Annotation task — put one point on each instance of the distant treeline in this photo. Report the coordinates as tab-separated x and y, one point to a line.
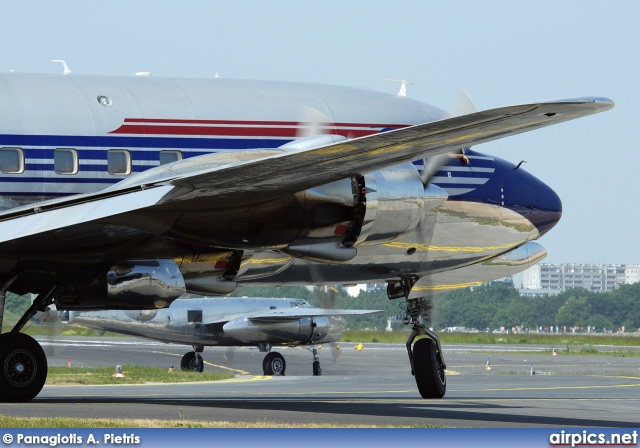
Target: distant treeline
485	307
499	306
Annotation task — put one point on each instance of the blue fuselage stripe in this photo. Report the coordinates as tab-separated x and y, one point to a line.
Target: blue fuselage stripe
71	141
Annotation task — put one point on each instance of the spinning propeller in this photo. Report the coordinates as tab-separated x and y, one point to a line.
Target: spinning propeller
463	105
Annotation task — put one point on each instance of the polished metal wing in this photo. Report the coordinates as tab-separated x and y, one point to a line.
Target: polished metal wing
302	312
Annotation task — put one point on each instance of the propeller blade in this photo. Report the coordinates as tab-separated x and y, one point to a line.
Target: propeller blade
50	326
313	122
431	166
463	104
229	354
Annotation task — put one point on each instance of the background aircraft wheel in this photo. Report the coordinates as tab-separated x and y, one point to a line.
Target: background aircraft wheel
430	376
192	362
317	371
23	367
273	364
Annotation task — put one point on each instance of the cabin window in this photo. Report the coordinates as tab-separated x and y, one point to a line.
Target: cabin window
11	160
119	161
65	161
170	156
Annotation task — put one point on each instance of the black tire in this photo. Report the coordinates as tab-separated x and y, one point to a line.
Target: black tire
23	367
274	364
191	362
317	371
430	376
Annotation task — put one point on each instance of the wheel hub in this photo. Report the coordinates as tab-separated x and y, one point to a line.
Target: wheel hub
20	368
276	365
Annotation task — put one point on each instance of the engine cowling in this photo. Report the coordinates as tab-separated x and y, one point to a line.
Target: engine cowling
298	331
376	208
395	204
128	285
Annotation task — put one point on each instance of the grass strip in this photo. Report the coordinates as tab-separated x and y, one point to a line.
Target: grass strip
132	375
67	422
627	339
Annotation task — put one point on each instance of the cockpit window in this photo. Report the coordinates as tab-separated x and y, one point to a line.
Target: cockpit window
11	160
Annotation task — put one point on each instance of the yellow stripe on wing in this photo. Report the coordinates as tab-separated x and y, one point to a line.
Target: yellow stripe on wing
446	287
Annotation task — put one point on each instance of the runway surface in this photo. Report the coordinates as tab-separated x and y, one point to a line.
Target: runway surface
372	387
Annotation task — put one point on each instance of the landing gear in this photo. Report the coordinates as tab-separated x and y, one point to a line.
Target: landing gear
192	361
317	370
429	370
23	363
23	367
274	364
427	362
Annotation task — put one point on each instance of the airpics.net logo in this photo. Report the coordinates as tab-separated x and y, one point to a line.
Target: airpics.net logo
586	438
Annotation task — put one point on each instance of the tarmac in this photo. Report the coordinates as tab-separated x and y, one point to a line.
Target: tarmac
372	386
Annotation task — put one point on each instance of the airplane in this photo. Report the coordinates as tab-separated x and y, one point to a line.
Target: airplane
124	192
224	322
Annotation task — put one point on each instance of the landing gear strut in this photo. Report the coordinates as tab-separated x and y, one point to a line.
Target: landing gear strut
427	362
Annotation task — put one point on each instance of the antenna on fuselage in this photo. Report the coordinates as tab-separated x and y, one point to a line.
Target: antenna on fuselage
519	165
403	88
66	71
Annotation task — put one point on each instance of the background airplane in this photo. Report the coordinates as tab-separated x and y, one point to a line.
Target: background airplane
212	184
226	322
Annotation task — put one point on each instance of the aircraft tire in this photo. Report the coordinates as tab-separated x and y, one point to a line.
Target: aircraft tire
274	364
23	367
430	376
191	362
317	371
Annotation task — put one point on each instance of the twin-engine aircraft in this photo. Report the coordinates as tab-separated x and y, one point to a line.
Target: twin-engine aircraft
225	322
125	192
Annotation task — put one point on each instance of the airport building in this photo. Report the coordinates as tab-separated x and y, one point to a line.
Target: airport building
593	277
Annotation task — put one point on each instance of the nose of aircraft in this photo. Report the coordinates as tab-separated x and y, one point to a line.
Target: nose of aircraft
547	208
529	196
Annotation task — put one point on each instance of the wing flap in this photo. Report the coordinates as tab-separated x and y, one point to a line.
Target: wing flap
42	221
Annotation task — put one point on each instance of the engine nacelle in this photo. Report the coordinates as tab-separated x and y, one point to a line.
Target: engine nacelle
141	315
128	285
376	208
395	204
298	331
328	329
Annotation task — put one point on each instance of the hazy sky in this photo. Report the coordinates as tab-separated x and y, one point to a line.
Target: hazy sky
501	52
